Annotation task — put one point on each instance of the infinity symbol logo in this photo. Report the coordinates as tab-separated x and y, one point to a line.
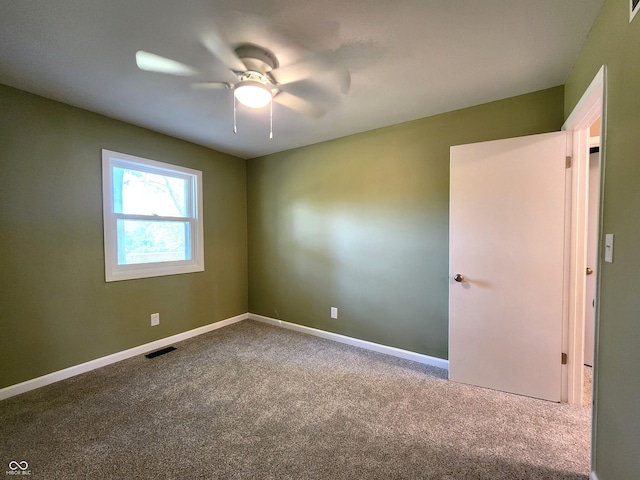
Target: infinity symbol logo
23	465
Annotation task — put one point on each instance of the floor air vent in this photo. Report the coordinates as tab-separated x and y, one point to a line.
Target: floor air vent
162	351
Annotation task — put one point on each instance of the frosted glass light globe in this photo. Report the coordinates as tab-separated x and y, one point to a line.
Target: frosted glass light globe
252	94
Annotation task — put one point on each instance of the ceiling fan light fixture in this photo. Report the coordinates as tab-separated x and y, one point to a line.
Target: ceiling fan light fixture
252	94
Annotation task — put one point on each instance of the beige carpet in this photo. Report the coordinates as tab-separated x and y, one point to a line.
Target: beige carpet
587	386
251	401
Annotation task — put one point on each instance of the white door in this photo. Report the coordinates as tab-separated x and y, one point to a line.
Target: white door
507	227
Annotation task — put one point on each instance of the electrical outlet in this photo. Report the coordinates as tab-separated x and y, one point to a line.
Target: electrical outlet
334	312
155	319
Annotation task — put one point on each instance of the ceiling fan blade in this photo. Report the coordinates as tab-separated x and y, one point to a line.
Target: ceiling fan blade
298	71
212	85
344	80
298	104
310	69
223	52
151	62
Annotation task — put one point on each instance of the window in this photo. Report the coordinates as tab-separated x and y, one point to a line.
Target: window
152	218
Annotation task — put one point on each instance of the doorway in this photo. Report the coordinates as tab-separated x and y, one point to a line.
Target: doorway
586	125
491	344
587	121
579	127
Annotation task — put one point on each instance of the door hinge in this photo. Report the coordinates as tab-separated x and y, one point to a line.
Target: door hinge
564	359
568	162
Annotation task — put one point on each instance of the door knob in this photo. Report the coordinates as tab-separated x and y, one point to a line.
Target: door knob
458	277
589	271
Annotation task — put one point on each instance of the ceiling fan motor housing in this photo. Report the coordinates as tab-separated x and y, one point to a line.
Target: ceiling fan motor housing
252	76
256	59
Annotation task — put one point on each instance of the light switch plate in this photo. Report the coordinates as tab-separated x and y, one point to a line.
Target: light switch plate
608	248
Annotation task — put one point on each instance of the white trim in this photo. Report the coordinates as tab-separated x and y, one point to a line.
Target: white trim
69	372
376	347
589	102
50	378
593	476
589	108
566	286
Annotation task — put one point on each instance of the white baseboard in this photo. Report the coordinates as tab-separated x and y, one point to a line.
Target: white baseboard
50	378
53	377
593	476
376	347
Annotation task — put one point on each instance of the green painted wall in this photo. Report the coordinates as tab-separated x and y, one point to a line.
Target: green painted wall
616	43
361	223
55	308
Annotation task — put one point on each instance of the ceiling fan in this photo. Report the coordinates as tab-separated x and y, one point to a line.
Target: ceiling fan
260	78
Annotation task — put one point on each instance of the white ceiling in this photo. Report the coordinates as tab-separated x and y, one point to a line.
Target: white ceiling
408	59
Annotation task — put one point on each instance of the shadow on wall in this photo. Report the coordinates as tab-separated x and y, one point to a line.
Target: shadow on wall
362	240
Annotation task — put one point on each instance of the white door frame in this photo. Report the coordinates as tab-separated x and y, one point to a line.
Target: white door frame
591	106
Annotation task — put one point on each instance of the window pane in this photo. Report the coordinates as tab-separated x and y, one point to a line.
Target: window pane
143	241
143	193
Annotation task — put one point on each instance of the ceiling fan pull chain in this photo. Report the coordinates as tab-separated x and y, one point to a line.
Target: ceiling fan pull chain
235	128
271	119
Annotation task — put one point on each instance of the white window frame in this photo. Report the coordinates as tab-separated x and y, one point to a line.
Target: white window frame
115	272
